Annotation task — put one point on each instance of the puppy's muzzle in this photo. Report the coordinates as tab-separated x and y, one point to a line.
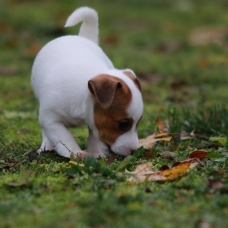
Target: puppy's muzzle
117	154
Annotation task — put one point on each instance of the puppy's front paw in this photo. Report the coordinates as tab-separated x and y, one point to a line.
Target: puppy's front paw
96	155
80	154
83	155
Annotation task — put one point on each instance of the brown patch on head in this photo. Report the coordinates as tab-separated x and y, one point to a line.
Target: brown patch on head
111	97
133	78
104	88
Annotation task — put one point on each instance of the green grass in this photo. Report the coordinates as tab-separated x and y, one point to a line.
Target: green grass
183	83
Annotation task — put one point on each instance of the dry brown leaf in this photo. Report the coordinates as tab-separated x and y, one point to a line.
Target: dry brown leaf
198	154
162	135
180	169
143	172
142	168
185	135
149	141
161	125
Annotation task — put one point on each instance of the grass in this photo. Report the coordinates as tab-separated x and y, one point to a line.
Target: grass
184	83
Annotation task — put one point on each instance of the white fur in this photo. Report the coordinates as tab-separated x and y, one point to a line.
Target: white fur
89	27
60	76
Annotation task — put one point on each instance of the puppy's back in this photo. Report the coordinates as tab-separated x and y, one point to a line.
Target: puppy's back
68	61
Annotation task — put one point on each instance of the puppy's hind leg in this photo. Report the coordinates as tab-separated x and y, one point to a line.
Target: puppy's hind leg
46	145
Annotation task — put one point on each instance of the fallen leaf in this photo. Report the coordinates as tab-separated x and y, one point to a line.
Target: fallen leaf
185	135
142	168
161	136
144	173
198	154
180	169
161	125
141	172
150	141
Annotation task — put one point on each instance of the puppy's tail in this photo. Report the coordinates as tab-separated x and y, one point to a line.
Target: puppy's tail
89	27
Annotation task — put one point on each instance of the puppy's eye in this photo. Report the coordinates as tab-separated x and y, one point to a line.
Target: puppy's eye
124	125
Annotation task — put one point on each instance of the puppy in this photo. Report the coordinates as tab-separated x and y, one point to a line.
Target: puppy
76	83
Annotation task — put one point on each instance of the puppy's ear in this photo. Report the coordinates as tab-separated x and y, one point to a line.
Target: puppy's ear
104	87
133	78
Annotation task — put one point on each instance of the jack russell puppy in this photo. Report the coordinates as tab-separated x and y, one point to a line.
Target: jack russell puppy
76	83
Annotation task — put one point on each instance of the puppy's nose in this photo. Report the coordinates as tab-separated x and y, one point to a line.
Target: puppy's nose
132	152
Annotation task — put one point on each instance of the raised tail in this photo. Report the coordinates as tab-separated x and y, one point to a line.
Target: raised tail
89	27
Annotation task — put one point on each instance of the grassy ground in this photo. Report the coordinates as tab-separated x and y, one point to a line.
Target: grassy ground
179	50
